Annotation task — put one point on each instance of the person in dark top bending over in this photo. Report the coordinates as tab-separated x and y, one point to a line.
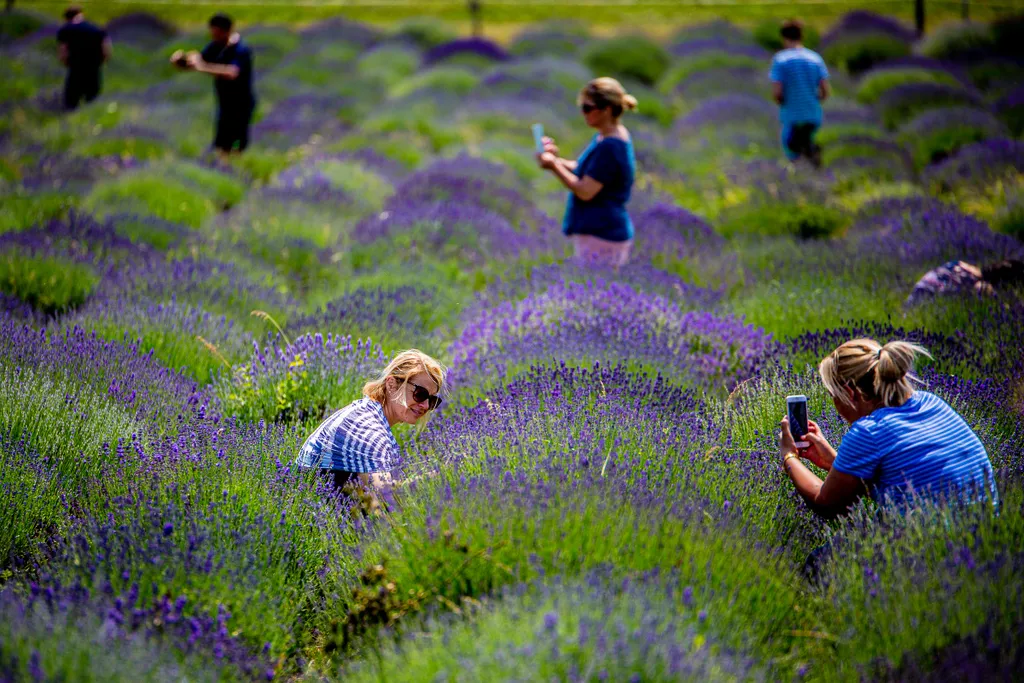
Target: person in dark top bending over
83	47
229	61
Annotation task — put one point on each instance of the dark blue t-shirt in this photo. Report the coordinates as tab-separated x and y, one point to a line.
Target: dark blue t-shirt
85	46
236	93
612	163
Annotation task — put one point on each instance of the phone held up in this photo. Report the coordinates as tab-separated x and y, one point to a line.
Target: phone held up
538	137
796	407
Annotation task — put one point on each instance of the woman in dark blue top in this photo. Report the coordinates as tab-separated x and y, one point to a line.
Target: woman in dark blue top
601	180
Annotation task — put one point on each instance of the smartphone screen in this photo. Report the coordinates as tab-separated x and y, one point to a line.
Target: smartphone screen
798	420
538	137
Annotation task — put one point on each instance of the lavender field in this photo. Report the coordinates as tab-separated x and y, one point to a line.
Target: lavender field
607	502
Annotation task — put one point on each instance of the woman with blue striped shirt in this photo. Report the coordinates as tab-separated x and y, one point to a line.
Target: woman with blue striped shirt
355	445
901	443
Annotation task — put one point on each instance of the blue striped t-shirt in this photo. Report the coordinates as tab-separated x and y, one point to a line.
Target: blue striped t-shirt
923	444
355	439
799	70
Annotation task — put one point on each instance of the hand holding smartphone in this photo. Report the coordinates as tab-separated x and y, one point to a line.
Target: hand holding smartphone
796	409
538	137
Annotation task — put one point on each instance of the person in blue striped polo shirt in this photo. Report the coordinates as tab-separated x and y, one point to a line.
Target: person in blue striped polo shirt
903	444
355	447
799	84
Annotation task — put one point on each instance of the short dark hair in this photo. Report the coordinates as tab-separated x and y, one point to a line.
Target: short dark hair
1008	273
792	30
221	21
72	11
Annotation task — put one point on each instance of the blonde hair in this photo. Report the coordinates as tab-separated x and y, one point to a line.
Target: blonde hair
609	92
879	372
402	367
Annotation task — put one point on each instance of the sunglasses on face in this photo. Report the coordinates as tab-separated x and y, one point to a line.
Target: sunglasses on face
587	107
420	394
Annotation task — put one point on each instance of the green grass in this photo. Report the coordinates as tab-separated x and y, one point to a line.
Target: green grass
656	15
780	220
22	211
179	193
49	285
874	85
66	425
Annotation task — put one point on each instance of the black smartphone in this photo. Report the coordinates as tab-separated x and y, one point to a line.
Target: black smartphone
796	408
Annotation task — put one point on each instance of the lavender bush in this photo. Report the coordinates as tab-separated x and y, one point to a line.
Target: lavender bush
599	497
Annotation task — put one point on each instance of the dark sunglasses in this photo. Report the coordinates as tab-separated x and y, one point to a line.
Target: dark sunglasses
586	107
420	394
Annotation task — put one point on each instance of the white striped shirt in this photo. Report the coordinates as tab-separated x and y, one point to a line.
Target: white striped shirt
356	439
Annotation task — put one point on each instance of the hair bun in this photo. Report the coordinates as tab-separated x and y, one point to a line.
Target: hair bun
629	103
895	362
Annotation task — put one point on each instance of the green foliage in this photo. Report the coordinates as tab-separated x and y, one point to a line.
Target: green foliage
268	559
1013	117
858	53
19	211
64	421
18	23
628	57
179	193
389	65
963	41
225	190
904	109
805	221
989	74
406	147
857	198
831	134
919	561
262	165
72	644
147	193
357	180
1010	219
446	78
298	397
475	547
426	32
705	61
790	308
49	285
875	84
767	35
125	147
939	143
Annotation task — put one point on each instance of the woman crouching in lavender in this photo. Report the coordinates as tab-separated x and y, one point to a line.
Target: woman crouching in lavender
355	447
903	444
600	181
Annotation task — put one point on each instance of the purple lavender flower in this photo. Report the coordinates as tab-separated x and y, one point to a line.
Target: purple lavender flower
860	22
606	320
725	110
976	164
478	47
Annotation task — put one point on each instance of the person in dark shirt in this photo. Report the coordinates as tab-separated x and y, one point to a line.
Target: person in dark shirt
600	181
83	47
229	61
